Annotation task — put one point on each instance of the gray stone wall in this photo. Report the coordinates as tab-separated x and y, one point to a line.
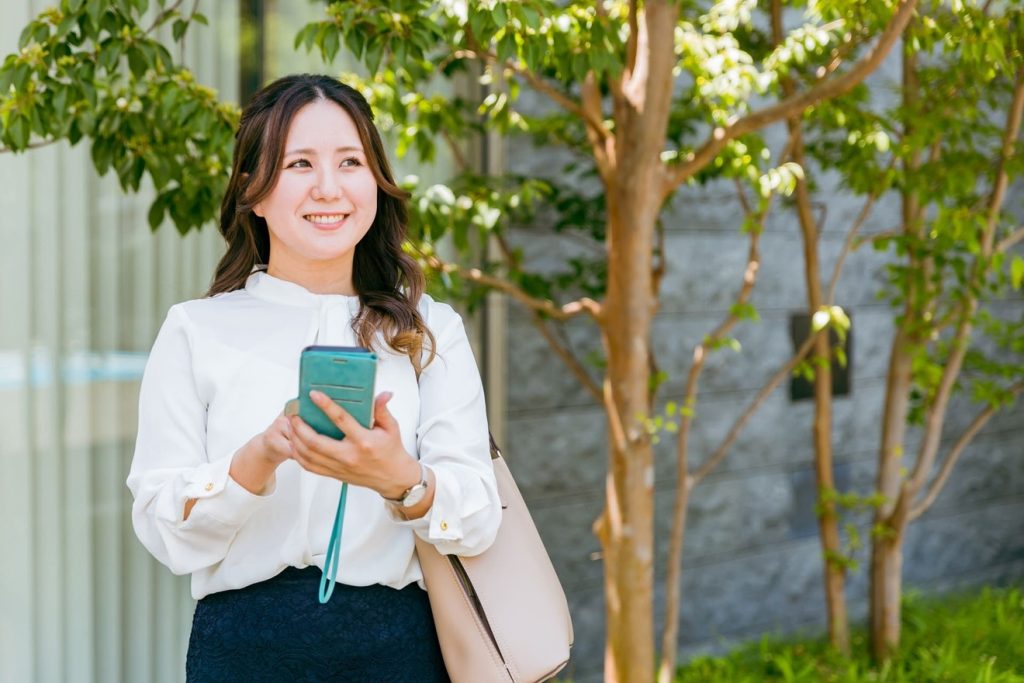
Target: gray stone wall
752	559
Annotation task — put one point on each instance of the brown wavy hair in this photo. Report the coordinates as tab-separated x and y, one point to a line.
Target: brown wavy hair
388	281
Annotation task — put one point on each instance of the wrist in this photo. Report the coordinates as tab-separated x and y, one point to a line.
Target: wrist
260	453
407	476
252	469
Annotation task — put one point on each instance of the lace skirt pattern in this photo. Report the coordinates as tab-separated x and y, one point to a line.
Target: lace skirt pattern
277	630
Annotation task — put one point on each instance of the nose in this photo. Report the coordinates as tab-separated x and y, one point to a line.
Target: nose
327	186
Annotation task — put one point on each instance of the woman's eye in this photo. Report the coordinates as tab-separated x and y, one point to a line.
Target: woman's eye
350	162
297	162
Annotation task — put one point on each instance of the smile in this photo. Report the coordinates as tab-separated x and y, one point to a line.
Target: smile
326	220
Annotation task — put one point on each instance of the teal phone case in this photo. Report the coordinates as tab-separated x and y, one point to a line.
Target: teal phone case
347	374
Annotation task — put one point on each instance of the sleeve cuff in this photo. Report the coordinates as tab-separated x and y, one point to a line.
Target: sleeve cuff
221	497
443	521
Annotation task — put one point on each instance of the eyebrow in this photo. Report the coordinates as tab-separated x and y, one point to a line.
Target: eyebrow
308	151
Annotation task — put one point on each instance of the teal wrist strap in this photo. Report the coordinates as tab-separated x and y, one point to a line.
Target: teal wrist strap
333	549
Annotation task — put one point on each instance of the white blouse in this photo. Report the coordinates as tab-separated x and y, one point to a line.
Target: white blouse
220	372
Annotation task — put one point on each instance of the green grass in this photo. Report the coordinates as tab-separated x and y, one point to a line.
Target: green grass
976	638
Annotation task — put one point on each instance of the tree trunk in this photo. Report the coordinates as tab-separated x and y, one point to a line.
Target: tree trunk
821	431
626	527
887	532
828	520
886	593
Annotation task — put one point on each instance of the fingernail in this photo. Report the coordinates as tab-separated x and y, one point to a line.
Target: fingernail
388	395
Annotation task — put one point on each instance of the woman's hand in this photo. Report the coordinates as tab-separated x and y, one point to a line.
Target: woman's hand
255	463
372	458
275	443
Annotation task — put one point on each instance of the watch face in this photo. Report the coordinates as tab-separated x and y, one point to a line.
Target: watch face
414	496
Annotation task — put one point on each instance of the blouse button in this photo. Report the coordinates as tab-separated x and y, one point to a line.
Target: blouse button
209	486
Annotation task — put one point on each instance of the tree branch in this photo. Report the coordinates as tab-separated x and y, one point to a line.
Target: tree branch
1010	133
955	452
162	17
32	145
604	149
567	357
1016	236
631	45
711	463
827	89
457	155
545	306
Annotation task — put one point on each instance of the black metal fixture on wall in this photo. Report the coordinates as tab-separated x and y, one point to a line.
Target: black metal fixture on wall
842	378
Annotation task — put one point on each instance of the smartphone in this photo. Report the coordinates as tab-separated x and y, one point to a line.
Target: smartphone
347	374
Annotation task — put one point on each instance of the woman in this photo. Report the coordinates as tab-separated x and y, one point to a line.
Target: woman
241	496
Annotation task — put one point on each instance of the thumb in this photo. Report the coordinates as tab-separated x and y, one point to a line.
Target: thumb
382	417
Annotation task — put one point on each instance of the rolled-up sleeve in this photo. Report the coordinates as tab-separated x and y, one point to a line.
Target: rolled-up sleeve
453	441
171	464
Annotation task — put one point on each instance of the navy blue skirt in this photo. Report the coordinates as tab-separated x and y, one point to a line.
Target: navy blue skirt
277	630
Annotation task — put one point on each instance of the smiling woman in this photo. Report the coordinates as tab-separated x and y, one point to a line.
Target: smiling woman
324	184
241	496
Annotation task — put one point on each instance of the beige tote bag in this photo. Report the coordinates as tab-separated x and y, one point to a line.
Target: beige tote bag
501	615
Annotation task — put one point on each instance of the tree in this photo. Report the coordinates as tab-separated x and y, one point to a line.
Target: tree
949	147
650	96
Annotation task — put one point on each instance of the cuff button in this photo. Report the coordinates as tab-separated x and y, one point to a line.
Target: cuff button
209	486
444	525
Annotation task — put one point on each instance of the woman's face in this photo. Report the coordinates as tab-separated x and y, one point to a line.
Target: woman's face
325	198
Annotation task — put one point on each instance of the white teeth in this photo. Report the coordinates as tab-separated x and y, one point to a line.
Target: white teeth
324	219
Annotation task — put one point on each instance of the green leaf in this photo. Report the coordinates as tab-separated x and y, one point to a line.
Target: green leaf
137	62
1017	272
19	132
26	35
331	44
178	29
304	36
374	54
531	16
22	72
156	212
101	154
74	132
200	18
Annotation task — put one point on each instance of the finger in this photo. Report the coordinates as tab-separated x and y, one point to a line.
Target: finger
338	415
382	417
306	456
284	427
316	447
305	435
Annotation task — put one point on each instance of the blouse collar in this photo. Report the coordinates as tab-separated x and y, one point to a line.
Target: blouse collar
275	290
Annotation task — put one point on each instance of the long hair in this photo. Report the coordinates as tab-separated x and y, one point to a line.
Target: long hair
388	281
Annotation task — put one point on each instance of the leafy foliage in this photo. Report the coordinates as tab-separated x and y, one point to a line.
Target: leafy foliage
978	637
91	70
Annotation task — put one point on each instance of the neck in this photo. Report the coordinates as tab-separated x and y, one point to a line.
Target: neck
327	277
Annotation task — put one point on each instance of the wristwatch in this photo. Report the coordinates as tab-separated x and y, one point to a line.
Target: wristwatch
414	494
